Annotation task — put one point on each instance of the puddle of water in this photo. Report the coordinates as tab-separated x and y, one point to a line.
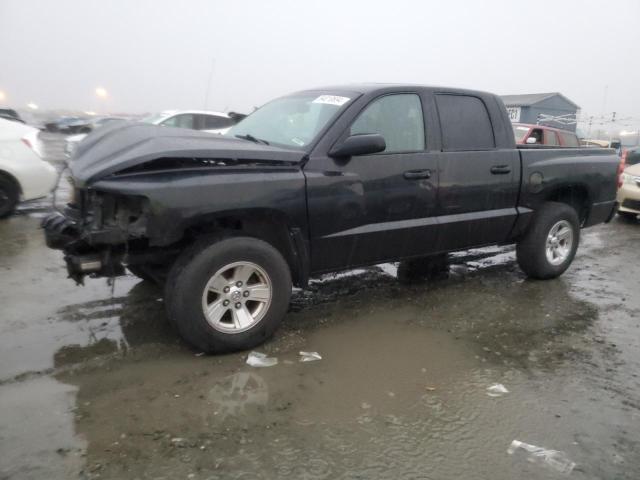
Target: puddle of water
37	437
400	391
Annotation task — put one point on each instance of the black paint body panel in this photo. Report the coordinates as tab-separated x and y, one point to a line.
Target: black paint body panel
347	211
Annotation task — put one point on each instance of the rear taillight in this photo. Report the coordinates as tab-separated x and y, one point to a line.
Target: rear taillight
31	140
624	156
621	166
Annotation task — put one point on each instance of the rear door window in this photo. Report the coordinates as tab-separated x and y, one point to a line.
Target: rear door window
215	122
550	138
184	120
568	139
398	118
465	123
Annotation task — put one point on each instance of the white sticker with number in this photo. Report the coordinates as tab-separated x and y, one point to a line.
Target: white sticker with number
332	100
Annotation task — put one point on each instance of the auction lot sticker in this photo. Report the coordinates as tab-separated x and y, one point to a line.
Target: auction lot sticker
332	100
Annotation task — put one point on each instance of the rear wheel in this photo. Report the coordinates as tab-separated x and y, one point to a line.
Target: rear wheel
550	244
227	295
8	197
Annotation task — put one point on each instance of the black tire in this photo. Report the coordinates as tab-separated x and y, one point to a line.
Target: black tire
188	278
531	249
8	196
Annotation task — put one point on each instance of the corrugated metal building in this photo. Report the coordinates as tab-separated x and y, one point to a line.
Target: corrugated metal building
527	108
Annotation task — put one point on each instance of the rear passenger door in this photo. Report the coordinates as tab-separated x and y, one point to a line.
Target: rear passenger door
478	182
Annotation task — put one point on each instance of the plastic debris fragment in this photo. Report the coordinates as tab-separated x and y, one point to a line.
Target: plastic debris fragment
497	390
257	359
309	356
551	458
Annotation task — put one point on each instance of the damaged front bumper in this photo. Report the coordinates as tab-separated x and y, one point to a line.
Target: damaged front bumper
99	252
82	255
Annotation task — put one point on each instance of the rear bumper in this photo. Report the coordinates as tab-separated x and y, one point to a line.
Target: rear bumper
601	212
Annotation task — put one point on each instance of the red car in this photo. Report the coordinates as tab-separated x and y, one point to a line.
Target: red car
541	135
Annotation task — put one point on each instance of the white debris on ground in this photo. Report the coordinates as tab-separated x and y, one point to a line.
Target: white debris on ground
257	359
551	458
310	356
497	390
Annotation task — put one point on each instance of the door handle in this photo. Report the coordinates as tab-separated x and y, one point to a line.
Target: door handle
417	174
500	169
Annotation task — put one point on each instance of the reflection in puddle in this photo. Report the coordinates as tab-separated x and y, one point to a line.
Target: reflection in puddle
37	438
240	394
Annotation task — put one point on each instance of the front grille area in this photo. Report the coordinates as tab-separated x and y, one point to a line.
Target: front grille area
632	204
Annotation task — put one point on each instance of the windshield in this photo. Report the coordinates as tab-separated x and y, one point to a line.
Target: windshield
292	121
519	132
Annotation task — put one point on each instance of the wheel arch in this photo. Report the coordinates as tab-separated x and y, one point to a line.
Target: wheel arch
12	179
270	225
576	196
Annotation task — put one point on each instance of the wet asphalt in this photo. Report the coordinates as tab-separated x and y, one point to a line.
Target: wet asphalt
94	383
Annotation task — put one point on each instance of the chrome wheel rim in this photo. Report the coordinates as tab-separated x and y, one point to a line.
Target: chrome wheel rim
559	242
237	297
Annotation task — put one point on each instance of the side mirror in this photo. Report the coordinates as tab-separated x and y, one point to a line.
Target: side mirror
365	144
531	140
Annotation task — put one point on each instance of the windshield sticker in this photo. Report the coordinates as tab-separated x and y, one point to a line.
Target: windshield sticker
297	141
332	100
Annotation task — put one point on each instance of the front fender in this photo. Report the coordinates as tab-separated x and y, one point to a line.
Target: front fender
179	200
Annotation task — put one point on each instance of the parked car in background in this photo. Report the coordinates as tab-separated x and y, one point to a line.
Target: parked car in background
629	192
320	181
72	141
631	156
69	125
10	114
526	134
23	173
213	122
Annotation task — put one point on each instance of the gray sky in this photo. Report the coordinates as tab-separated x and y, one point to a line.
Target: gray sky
156	54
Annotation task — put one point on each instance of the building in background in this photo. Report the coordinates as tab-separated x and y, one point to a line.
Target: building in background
551	109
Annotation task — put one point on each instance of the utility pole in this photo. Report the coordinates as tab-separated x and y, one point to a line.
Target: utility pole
206	95
613	122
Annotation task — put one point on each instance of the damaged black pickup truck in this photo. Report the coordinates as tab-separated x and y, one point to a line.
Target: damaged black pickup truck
319	181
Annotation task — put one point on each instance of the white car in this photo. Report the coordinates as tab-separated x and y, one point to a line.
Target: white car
24	175
212	122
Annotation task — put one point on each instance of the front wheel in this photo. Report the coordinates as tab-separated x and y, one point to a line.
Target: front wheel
550	244
228	294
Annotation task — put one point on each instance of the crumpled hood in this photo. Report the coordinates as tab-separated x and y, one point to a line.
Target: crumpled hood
123	145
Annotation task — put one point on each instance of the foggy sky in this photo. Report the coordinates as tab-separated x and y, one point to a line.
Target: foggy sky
154	54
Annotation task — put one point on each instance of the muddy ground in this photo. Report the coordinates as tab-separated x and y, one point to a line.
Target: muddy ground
95	384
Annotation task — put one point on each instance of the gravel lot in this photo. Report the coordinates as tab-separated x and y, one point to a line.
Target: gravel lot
95	384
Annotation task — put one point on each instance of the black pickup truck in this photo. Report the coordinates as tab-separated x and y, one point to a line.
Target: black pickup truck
319	181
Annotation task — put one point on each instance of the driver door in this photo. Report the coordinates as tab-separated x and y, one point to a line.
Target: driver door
372	208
